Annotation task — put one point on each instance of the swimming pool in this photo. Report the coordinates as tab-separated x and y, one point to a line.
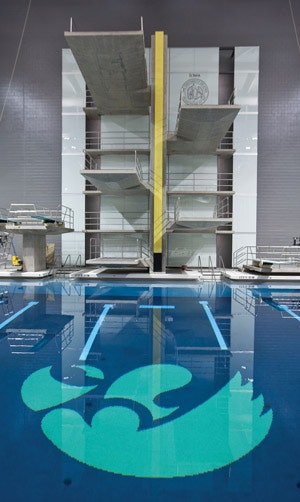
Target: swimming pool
149	392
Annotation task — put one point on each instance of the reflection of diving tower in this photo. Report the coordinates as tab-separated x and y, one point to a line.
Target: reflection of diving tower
33	320
35	223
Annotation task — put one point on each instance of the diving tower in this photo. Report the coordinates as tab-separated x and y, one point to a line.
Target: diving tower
134	145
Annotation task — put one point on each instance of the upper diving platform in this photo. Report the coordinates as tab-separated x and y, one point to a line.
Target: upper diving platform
113	65
201	128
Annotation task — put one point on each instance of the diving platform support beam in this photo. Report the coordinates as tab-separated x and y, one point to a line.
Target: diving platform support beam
34	252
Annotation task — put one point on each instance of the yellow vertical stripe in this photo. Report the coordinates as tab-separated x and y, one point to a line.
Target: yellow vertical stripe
157	337
158	141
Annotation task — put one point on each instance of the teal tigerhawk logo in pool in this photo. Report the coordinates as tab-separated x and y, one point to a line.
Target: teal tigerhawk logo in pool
208	437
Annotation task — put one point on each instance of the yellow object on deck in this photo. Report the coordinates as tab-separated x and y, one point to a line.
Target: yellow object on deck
16	261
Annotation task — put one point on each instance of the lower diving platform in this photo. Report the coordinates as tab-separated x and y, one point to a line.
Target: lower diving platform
34	223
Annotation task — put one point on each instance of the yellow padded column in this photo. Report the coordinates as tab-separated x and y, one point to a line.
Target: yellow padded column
159	76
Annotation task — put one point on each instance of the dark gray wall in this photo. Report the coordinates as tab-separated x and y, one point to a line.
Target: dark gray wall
30	129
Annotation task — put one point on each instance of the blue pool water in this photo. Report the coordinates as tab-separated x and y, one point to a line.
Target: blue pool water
149	392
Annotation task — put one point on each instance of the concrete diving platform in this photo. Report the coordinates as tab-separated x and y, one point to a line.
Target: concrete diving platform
201	128
114	67
119	263
194	224
116	181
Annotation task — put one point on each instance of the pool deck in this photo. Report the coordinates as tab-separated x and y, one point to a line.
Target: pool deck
180	275
18	274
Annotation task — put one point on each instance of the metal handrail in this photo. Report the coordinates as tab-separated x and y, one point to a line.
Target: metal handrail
68	260
284	254
200	265
221	261
78	260
114	220
94	163
177	209
231	98
138	166
210	182
211	267
89	99
226	142
97	249
32	214
115	140
220	210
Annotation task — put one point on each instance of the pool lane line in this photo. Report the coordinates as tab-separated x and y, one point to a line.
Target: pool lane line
17	314
289	311
157	307
278	306
94	332
214	325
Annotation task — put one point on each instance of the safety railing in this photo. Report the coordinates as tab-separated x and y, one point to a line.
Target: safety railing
116	248
221	263
200	265
210	271
34	215
226	142
125	140
94	163
139	168
222	209
211	268
207	182
281	254
231	98
110	221
70	262
89	99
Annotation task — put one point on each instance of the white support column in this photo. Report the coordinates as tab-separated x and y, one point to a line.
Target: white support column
245	145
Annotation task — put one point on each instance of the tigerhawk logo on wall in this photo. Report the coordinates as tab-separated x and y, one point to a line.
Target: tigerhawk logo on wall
198	441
